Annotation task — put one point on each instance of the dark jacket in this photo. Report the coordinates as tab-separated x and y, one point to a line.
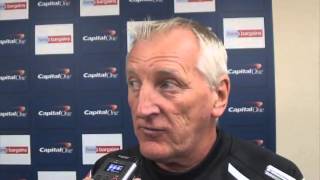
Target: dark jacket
229	158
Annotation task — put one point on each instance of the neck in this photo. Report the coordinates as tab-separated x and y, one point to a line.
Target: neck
189	159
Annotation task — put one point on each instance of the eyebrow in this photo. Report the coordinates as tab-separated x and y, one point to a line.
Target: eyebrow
168	72
130	73
174	74
163	72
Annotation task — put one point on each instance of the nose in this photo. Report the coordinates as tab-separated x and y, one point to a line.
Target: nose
147	102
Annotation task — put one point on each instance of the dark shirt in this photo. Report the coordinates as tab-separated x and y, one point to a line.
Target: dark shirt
229	158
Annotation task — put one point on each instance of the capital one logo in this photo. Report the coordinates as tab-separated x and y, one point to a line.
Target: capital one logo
14	39
17	112
249	107
57	111
59	148
253	69
15	75
62	74
106	110
107	73
107	36
59	3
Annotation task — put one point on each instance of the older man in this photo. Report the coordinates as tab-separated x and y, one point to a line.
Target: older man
178	87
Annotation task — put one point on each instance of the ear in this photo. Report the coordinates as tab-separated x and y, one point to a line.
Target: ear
221	96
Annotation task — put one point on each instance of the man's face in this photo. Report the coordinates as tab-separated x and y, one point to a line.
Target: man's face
171	102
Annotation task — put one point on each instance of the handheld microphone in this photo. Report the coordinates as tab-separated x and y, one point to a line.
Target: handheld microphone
117	168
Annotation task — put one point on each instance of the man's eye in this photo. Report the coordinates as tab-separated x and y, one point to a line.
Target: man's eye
134	84
168	85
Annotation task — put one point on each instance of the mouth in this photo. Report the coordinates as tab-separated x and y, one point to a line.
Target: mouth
152	132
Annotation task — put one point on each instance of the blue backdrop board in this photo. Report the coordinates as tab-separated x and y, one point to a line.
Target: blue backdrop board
63	94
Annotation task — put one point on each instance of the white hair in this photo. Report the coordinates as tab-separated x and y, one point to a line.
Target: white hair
213	59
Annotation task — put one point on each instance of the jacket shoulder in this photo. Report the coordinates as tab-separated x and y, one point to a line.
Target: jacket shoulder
260	160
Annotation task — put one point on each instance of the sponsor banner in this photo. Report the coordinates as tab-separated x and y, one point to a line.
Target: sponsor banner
250	73
243	6
99	37
144	1
54	39
15	150
100	110
191	6
99	72
249	70
55	148
247	107
54	111
134	8
14	112
99	7
14	9
13	79
14	40
241	33
52	8
95	146
53	75
54	175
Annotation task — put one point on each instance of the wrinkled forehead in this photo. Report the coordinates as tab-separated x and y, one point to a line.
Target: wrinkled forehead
163	63
175	52
178	46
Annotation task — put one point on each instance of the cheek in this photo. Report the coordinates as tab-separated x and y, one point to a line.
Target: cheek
195	109
131	101
130	97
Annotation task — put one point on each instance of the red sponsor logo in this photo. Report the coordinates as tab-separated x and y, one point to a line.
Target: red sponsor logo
16	5
105	2
59	39
17	150
258	104
111	32
250	33
257	66
112	70
113	107
259	142
107	149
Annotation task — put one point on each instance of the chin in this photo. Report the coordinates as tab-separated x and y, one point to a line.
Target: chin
154	151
